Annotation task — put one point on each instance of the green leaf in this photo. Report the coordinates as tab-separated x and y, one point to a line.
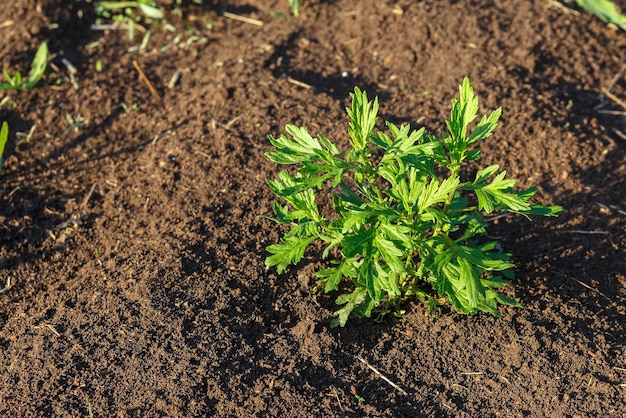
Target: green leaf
332	148
389	252
351	301
289	189
369	275
388	281
485	127
495	282
358	243
295	5
151	12
399	234
289	252
288	151
363	115
475	291
498	193
38	66
436	192
605	10
4	137
332	277
354	220
485	173
464	111
445	288
543	210
348	195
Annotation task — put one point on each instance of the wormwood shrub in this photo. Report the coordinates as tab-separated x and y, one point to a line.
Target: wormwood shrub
405	221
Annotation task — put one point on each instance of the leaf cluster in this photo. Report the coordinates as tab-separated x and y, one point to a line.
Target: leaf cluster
403	218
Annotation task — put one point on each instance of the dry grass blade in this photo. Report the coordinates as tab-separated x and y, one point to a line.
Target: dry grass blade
242	19
88	197
583	285
299	83
8	286
581	232
620	134
614	98
145	79
372	368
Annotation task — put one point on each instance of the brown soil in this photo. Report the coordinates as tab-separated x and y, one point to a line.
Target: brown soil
149	297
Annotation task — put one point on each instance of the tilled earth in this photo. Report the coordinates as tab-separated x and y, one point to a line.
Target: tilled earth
131	235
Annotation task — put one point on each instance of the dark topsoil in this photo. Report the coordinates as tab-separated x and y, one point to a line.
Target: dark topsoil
149	296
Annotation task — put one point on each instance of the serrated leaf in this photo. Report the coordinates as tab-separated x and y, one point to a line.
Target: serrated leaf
289	252
282	214
445	288
332	277
332	148
543	210
388	281
483	258
475	291
363	115
398	233
358	243
290	151
498	193
351	301
389	252
495	282
368	274
464	111
401	222
485	127
382	140
289	188
354	220
436	192
484	174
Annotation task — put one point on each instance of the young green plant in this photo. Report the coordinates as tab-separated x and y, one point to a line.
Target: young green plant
403	218
37	69
4	138
295	6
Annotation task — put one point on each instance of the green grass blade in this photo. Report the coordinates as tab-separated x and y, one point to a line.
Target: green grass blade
605	10
38	66
4	137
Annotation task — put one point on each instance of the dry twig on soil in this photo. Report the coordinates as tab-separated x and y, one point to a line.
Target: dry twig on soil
372	368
